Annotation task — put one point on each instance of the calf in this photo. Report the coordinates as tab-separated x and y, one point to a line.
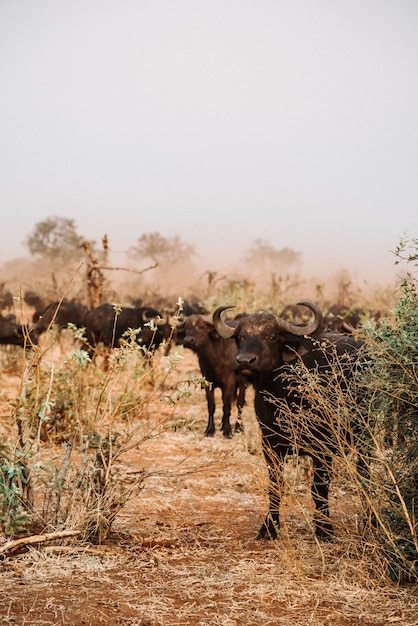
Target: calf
217	364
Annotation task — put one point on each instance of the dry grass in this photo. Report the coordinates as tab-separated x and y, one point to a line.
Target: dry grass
182	551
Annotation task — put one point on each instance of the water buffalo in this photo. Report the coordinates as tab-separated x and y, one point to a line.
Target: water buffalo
6	301
33	299
268	350
60	314
107	324
217	364
15	334
193	307
343	319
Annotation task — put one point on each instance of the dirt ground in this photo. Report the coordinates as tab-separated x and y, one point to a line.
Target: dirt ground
183	551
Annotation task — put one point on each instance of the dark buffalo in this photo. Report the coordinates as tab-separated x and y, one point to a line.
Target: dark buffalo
170	308
15	334
60	314
294	313
217	364
343	319
107	324
193	307
269	349
34	300
6	301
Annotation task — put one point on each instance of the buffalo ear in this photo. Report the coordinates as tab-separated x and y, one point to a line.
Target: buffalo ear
213	334
293	350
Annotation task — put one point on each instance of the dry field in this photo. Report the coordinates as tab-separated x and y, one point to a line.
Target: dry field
183	552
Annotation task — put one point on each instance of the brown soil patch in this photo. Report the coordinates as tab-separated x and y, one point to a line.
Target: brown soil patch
182	552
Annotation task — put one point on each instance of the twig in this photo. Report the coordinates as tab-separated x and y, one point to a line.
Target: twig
127	269
80	550
11	546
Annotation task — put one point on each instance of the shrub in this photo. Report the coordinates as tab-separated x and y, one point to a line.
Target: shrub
89	419
373	418
16	495
395	401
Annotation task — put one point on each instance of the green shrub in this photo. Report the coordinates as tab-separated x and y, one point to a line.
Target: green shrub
372	417
395	401
15	492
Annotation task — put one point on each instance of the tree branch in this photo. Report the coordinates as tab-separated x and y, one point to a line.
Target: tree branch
127	269
11	546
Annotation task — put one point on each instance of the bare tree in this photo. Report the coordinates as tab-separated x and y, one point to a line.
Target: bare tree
98	286
95	279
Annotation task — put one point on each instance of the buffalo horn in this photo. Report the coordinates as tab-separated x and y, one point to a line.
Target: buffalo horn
146	318
307	329
222	328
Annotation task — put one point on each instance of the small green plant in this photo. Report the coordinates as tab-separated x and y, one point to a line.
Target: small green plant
15	496
55	400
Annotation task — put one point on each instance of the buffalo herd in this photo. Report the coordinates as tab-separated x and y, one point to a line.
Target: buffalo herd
261	350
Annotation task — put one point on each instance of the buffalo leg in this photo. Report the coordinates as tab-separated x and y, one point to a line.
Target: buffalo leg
240	405
320	492
275	465
226	423
210	399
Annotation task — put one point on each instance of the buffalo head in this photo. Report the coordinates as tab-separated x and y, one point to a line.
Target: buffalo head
265	340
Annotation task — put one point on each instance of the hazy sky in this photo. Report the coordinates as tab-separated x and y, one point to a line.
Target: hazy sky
222	121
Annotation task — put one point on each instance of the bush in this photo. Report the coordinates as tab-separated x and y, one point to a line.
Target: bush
90	419
395	401
370	421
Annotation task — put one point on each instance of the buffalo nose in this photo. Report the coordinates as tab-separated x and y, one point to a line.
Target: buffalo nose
246	360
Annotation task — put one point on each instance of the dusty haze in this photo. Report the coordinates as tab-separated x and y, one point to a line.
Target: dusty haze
222	122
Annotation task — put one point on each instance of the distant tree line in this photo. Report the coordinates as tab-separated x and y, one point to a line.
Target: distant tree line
57	240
